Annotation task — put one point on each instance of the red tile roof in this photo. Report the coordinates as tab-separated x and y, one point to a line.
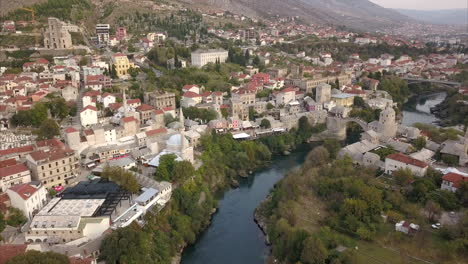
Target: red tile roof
15	169
49	155
23	149
128	119
191	94
90	107
70	130
76	260
133	101
10	251
158	112
407	160
25	190
144	107
8	162
154	132
455	178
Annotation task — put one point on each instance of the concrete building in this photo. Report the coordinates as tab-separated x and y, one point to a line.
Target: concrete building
28	197
56	35
202	57
88	116
343	99
70	93
122	64
55	167
160	100
102	33
13	174
396	161
285	96
323	93
387	123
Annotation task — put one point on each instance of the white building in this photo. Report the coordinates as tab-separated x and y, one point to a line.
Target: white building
202	57
102	33
396	161
285	96
88	116
108	99
28	197
452	181
15	174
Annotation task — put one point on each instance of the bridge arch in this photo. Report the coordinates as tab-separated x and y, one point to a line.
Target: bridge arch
336	126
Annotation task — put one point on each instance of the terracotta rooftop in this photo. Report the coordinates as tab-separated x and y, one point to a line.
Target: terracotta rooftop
14	169
191	94
154	132
90	107
23	149
10	251
25	190
144	107
407	160
7	163
455	178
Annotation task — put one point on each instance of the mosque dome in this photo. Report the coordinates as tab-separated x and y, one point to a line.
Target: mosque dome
174	143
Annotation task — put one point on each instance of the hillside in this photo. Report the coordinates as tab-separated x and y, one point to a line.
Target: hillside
10	5
445	17
359	14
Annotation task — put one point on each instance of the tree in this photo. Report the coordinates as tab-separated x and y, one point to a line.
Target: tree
359	102
270	106
48	130
403	177
432	209
224	112
16	217
420	143
333	146
122	177
58	108
165	167
2	223
37	257
314	252
265	123
319	156
182	170
83	61
113	72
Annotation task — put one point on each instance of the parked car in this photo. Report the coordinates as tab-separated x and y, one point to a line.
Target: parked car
436	226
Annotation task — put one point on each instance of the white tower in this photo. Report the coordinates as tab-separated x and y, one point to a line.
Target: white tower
387	122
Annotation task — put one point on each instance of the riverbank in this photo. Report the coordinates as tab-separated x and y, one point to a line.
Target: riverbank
418	108
453	110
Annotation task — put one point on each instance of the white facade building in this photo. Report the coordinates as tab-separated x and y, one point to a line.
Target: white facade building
88	116
202	57
28	197
396	161
15	174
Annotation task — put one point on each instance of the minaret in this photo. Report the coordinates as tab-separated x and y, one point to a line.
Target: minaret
466	140
182	133
124	100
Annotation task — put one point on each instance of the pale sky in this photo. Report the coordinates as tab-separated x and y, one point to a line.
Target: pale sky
422	4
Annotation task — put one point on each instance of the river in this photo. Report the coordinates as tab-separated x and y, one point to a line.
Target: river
233	237
417	109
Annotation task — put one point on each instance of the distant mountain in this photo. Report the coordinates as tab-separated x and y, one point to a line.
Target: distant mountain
359	14
446	17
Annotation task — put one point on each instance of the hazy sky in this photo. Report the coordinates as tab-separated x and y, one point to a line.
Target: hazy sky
422	4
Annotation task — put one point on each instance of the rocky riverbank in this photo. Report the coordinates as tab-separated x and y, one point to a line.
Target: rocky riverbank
261	219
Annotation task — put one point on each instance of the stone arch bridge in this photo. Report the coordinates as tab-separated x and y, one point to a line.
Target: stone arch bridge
336	128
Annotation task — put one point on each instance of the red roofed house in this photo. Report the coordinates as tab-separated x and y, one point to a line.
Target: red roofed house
396	161
261	77
192	88
285	96
134	102
15	174
192	95
28	197
145	112
54	167
452	181
10	251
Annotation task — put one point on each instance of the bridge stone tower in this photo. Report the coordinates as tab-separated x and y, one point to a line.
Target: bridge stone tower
323	93
387	124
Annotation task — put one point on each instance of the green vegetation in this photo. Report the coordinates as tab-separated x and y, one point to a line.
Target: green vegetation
329	203
397	88
37	115
69	10
195	113
34	117
48	130
122	177
192	203
438	135
21	41
453	110
37	257
384	152
16	217
265	123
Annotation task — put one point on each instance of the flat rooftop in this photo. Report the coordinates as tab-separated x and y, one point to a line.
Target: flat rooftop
71	207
